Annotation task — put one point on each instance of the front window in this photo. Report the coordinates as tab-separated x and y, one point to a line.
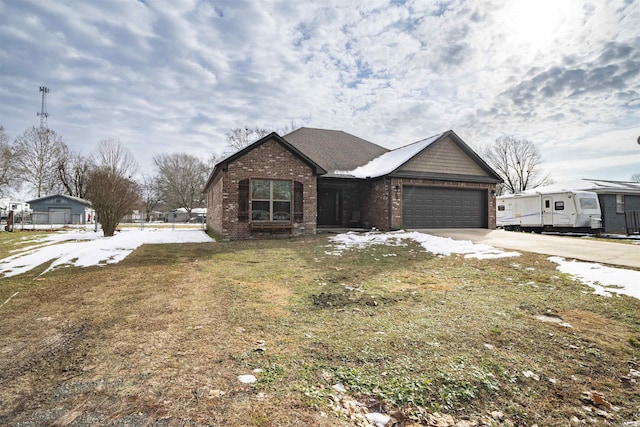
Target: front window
270	200
589	203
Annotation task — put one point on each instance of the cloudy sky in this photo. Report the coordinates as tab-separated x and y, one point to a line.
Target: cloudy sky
176	76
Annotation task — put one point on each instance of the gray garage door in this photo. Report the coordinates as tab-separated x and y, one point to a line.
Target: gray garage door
427	207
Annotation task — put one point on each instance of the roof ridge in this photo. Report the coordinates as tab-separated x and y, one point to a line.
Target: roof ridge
436	136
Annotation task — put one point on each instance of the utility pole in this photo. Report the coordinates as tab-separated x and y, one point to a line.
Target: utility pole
43	108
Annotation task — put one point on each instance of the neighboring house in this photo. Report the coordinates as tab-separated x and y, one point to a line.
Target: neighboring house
310	178
61	209
181	215
616	198
178	215
198	215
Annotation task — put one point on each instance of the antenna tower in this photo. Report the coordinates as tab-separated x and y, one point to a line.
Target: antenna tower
43	108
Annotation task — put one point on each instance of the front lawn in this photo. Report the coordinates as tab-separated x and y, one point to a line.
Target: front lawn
161	338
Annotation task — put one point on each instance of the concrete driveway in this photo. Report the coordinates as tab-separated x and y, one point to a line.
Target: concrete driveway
622	254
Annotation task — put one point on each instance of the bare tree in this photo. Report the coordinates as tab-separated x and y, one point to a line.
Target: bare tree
150	193
73	171
6	161
110	187
214	159
181	178
286	128
36	153
518	162
241	137
112	196
116	157
635	177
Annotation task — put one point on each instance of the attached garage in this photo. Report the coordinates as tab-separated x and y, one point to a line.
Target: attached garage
433	207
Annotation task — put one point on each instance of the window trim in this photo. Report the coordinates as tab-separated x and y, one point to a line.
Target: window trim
271	200
558	206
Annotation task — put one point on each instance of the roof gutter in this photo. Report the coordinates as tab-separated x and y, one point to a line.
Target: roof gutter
390	202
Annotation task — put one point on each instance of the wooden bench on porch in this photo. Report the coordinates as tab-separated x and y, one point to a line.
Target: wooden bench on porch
271	225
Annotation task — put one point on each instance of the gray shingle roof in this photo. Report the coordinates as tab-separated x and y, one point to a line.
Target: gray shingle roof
334	150
64	196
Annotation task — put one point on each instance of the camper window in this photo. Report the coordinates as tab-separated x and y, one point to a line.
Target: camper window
501	207
588	203
559	206
547	204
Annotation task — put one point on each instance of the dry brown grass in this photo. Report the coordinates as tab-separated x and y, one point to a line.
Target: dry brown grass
160	338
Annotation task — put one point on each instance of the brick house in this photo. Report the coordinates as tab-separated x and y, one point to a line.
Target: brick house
311	178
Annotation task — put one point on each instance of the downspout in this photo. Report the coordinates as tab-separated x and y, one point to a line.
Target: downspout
389	196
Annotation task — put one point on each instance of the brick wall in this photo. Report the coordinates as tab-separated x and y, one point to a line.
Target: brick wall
269	160
376	204
214	208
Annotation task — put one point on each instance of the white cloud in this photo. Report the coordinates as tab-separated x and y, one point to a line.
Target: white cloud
171	78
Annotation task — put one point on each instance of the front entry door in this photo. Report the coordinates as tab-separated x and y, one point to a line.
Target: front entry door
547	211
329	206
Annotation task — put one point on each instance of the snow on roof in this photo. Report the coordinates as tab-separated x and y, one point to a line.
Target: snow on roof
193	211
595	185
389	161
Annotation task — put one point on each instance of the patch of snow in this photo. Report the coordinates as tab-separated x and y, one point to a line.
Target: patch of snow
378	419
434	244
552	319
604	280
339	388
247	379
84	249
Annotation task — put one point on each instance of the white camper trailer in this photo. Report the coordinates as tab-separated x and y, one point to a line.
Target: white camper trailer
18	208
549	211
